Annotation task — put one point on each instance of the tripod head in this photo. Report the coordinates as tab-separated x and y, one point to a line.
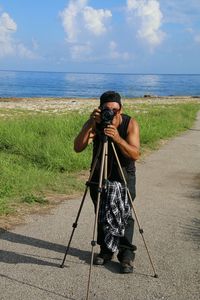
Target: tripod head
100	132
104	138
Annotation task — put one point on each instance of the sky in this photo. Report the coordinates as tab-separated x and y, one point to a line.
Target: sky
107	36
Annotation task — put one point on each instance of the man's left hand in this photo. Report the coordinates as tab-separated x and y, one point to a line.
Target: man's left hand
112	132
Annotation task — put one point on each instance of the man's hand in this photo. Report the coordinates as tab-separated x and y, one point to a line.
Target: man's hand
96	115
112	132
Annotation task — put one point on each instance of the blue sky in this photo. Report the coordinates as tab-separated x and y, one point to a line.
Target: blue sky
116	36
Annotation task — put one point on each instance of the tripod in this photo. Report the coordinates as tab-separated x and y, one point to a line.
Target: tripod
102	180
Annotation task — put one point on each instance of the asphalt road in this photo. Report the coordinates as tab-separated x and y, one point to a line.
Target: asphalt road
167	206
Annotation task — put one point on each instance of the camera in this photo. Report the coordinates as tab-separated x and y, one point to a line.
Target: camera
107	116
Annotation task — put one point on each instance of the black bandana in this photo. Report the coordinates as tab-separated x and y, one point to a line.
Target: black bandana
110	96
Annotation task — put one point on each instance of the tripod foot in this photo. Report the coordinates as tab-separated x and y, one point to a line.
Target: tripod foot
155	276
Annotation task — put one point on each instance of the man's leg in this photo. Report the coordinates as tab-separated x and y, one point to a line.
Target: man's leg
127	250
105	254
126	253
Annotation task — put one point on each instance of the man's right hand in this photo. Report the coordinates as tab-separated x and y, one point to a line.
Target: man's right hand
96	115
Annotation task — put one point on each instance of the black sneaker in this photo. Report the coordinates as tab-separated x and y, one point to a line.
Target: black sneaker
102	258
126	267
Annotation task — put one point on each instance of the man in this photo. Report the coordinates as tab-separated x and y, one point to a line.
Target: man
124	133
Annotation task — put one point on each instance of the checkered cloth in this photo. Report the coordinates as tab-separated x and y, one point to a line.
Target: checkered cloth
113	213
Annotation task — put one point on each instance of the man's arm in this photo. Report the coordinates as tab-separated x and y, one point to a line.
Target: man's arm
87	133
85	136
129	147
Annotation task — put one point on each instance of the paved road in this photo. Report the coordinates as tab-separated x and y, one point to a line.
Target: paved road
167	206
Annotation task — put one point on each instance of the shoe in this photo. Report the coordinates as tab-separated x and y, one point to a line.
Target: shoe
126	267
102	258
125	256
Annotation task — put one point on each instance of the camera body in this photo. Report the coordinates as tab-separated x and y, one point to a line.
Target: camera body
107	116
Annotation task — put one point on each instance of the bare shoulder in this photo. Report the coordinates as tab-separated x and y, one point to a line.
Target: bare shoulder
133	133
133	125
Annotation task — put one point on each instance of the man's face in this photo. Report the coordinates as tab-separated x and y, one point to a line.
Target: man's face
115	107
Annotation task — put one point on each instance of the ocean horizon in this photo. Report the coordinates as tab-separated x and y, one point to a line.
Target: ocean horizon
92	85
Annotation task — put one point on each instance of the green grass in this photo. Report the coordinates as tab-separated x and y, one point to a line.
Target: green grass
162	122
37	156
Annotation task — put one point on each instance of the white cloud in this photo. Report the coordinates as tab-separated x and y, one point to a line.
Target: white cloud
150	20
78	19
94	19
132	4
70	18
7	28
115	54
8	45
7	23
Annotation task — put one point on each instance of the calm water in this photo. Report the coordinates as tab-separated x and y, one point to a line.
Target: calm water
50	84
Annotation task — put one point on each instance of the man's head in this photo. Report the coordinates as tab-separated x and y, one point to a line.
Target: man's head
111	101
110	96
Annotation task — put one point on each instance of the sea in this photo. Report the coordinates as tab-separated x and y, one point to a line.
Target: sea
84	85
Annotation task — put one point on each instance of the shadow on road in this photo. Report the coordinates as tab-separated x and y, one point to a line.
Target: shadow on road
13	257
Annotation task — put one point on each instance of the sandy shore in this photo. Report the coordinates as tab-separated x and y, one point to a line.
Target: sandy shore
67	104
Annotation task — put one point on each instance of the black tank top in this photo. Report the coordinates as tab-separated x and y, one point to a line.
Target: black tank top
127	164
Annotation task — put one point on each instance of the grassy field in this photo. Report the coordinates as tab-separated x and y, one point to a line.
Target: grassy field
37	156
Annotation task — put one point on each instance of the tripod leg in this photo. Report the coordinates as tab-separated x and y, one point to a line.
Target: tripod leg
141	231
81	205
74	227
93	242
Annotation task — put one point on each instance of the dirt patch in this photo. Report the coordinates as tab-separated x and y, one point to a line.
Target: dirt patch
23	210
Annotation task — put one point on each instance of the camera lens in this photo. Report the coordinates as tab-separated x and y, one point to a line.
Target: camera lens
107	116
